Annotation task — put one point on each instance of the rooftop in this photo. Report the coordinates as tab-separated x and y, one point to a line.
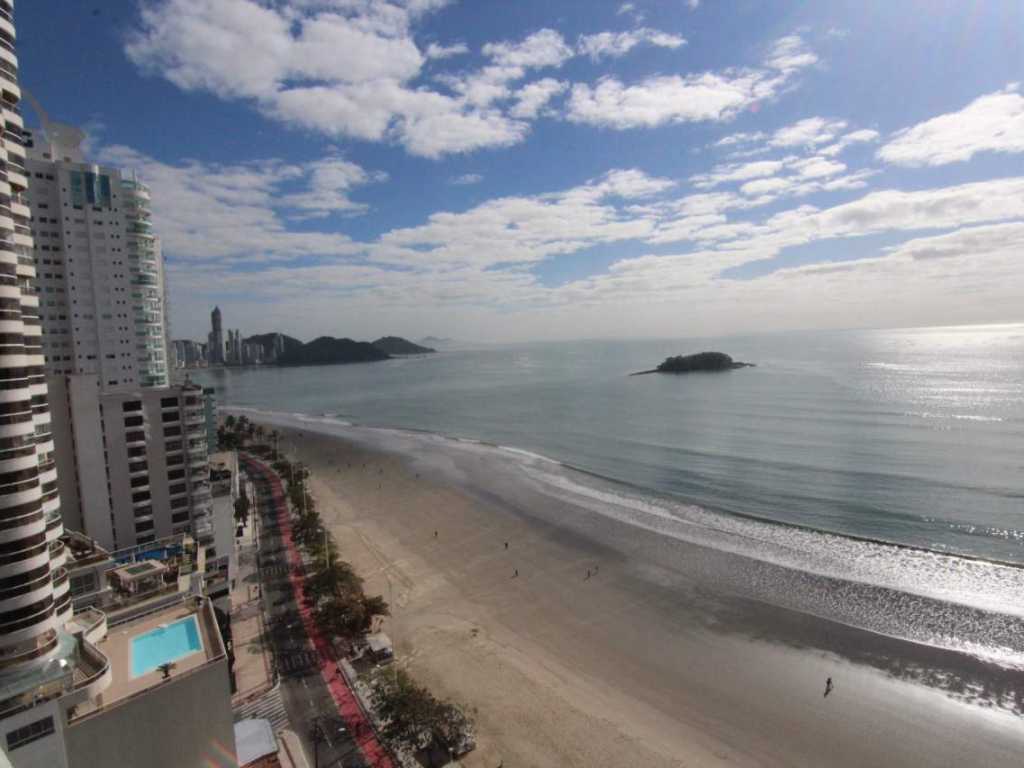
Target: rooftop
118	648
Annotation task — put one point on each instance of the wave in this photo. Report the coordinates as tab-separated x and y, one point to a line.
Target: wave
962	603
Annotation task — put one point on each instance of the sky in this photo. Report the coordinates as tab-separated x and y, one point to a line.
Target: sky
557	169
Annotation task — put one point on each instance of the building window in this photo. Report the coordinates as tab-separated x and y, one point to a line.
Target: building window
168	402
19	737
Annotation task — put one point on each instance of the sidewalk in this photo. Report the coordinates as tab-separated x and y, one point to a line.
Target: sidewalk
347	704
253	675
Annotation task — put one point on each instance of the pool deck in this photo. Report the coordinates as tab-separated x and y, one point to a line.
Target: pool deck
117	647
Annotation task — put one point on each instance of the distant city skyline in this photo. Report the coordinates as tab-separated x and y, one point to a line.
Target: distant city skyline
558	171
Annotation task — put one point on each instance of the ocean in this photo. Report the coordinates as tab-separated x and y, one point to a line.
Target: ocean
836	446
911	436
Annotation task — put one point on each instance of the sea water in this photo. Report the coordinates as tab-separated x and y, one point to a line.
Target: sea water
910	436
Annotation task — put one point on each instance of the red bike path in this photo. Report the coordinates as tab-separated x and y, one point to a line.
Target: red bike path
349	708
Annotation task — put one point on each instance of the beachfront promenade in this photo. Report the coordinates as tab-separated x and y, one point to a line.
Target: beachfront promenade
324	712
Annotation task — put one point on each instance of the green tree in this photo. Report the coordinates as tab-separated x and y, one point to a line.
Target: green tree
414	719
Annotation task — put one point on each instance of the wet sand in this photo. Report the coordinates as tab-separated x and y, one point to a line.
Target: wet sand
644	663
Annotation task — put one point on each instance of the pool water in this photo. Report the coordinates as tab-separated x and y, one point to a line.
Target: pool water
165	644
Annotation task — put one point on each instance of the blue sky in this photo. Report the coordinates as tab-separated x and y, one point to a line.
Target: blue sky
518	170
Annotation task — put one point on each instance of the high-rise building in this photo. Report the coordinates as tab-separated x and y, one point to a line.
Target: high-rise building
69	698
99	269
137	461
34	599
215	348
131	465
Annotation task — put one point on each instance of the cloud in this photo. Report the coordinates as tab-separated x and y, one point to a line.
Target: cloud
437	51
790	53
533	97
862	136
616	44
974	242
545	48
352	69
741	138
710	96
345	69
991	123
330	180
808	132
467	178
737	172
206	211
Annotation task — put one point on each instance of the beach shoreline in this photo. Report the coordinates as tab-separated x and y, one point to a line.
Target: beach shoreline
638	664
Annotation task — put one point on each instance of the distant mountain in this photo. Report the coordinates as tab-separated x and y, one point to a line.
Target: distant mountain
327	350
434	341
395	345
266	340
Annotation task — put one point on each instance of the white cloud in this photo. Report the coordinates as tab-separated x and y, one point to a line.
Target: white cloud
862	136
990	123
466	179
790	53
210	211
711	96
545	48
693	5
616	44
741	138
330	181
437	51
976	242
808	132
626	8
533	97
816	167
737	172
342	69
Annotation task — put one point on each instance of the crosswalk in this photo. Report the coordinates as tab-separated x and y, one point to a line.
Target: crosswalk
298	662
269	706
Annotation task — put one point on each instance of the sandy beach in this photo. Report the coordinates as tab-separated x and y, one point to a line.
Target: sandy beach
646	662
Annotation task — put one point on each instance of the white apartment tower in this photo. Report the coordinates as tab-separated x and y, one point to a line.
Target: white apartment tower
99	268
68	696
34	599
131	450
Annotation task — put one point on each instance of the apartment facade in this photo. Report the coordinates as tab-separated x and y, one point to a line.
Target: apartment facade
134	464
99	268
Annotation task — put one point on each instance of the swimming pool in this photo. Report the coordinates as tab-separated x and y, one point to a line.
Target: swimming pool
164	644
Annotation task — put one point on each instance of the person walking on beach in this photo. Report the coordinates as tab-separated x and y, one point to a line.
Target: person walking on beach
828	687
506	545
516	573
435	534
588	573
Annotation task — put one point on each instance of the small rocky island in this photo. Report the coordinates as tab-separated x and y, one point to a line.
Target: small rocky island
702	361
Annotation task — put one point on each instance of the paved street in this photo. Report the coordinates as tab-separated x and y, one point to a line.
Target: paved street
303	692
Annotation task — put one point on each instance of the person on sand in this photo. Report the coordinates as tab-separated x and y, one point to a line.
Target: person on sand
828	687
506	545
588	573
435	534
515	573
